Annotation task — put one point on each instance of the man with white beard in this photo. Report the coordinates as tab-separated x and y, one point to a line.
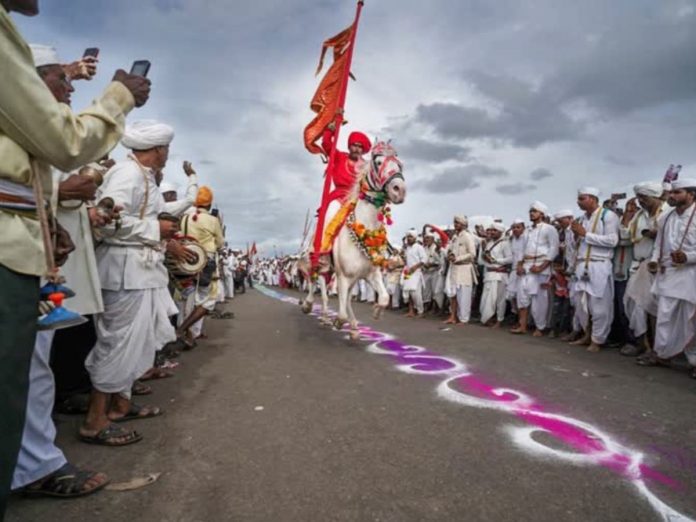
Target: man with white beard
496	257
430	268
639	301
137	304
673	262
598	234
534	271
412	275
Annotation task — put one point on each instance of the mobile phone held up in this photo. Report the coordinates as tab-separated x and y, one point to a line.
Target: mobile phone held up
140	68
91	51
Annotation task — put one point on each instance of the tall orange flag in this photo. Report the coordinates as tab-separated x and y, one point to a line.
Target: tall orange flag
327	99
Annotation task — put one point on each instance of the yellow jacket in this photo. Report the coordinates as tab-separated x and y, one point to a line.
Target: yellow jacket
36	132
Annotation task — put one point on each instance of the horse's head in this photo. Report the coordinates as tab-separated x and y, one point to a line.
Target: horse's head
386	173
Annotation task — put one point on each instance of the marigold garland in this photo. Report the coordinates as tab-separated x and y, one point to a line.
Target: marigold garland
371	242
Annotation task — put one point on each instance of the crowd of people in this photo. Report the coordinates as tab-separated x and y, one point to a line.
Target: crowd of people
107	275
610	277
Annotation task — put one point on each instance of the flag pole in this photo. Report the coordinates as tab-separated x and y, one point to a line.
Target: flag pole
338	121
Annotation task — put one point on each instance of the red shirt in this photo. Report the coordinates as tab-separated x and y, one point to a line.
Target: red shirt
345	170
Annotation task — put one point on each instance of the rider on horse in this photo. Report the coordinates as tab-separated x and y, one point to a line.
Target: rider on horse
347	168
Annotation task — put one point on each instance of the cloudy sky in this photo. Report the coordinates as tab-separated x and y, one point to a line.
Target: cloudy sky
490	104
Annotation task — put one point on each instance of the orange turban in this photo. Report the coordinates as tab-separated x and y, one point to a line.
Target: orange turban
204	198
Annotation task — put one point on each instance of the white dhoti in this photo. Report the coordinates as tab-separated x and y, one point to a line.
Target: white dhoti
639	301
493	300
367	293
530	294
429	282
39	456
134	325
512	285
439	290
595	299
675	328
412	289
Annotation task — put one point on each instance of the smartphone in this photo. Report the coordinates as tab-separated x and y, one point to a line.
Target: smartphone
140	68
617	197
91	51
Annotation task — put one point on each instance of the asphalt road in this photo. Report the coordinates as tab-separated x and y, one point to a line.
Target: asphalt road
276	418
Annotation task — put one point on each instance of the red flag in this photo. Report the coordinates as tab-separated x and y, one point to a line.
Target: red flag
327	99
253	250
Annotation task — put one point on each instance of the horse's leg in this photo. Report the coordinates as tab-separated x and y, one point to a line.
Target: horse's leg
343	300
377	281
308	302
354	333
324	300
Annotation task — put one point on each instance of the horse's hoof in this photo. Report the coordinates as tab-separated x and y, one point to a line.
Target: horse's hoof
306	307
338	323
354	335
377	312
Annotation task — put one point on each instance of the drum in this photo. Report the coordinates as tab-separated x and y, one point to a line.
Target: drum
183	269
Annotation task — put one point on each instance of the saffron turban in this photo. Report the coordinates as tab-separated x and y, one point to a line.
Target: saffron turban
648	188
147	134
358	138
462	220
590	191
563	213
44	55
540	207
204	198
684	183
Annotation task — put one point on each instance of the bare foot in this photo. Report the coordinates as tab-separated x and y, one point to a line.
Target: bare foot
518	330
538	333
450	320
495	326
594	348
583	341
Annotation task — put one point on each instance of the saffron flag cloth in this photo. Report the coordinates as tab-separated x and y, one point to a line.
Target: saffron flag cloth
327	98
253	250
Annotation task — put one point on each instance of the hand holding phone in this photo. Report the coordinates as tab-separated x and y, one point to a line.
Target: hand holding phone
91	52
137	85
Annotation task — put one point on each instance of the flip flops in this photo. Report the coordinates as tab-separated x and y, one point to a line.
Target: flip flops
108	436
137	412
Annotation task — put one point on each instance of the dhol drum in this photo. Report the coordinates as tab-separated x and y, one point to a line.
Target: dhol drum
185	269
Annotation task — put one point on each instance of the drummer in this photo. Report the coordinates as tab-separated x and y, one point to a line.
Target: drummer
207	230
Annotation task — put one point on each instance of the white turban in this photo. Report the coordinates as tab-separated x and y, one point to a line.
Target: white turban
461	219
432	235
563	213
590	191
497	226
147	134
518	221
167	187
648	188
684	183
538	205
44	55
412	233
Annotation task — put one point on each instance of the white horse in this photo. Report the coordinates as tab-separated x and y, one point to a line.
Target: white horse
380	184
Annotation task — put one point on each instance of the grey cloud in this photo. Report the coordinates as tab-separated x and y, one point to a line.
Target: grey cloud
526	117
434	152
458	179
541	173
515	188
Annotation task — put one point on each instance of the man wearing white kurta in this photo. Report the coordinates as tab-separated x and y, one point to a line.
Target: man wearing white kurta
461	276
137	304
430	268
534	271
496	257
518	238
674	264
412	275
173	205
639	301
598	233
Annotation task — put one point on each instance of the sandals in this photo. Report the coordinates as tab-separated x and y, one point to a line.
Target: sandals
650	359
156	373
67	482
108	436
140	388
139	412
